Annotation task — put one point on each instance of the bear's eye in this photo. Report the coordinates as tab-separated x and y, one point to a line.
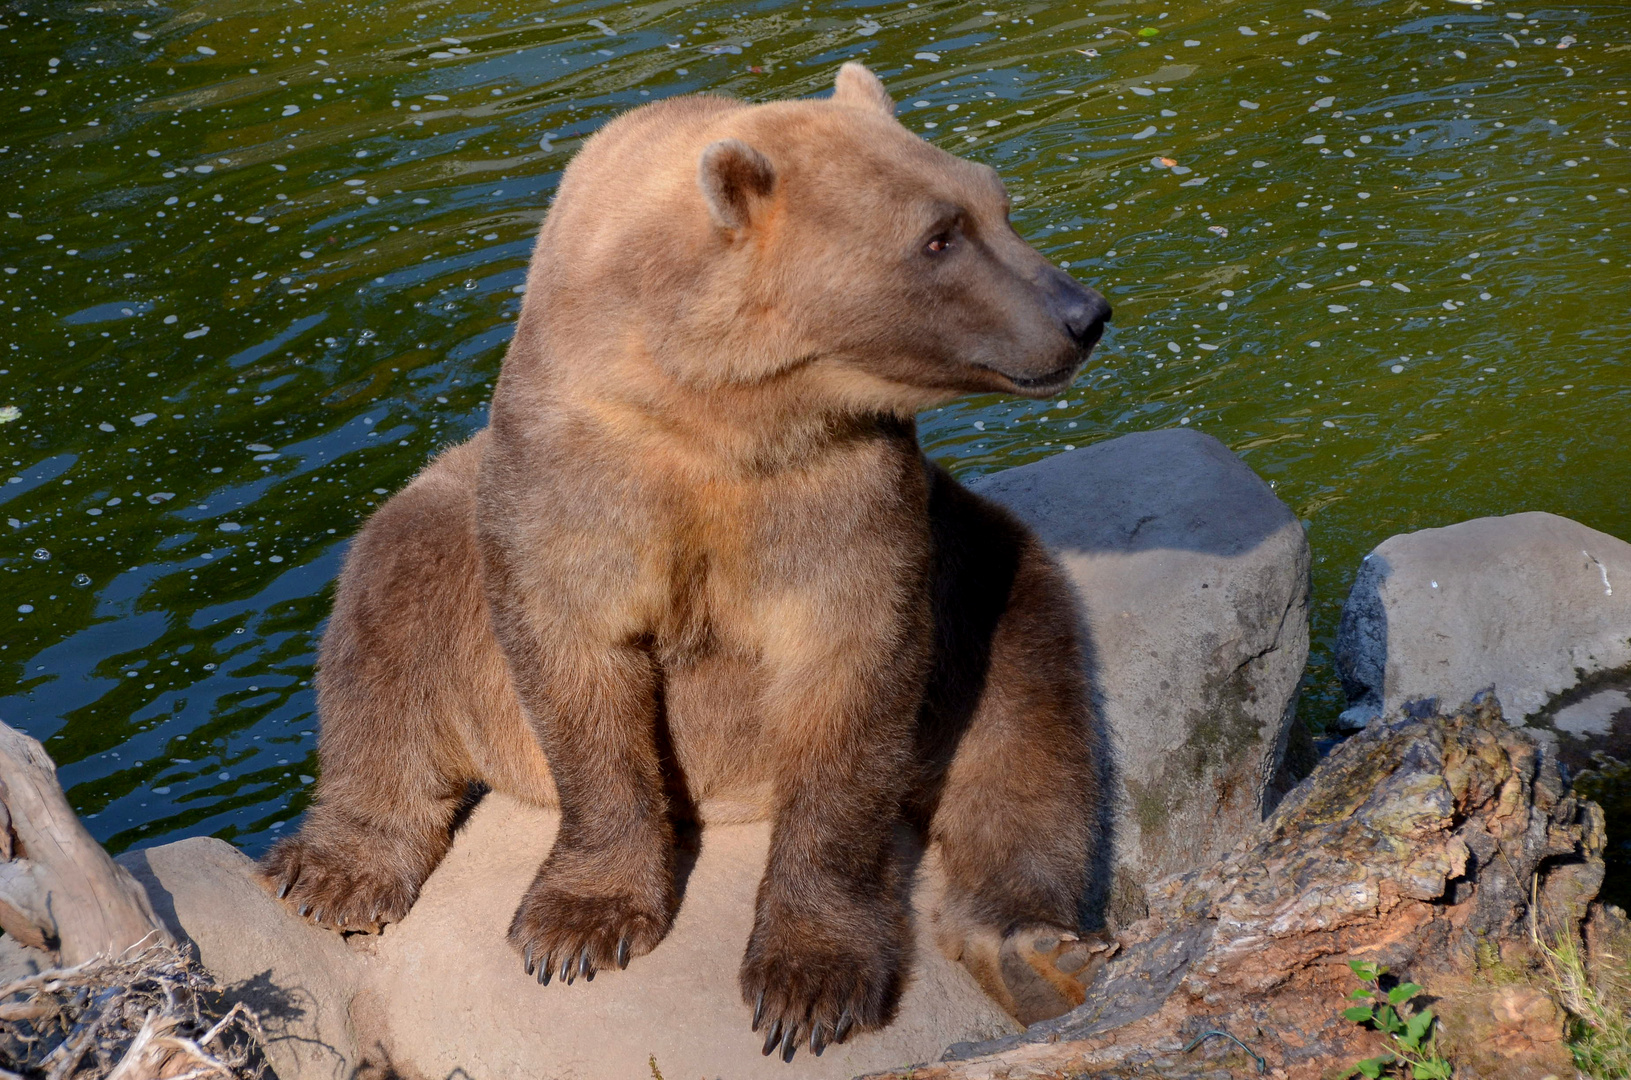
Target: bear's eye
940	243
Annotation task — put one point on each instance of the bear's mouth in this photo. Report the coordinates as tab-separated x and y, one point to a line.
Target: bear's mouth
1056	378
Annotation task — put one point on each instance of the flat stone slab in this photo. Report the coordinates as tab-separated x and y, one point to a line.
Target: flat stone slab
298	978
1528	603
442	993
1193	582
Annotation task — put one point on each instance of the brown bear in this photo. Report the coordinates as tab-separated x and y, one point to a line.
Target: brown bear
698	568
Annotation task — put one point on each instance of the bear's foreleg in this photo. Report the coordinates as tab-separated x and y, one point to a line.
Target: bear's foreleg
391	785
356	872
606	892
830	933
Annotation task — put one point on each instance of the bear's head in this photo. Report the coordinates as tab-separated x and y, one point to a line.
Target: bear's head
811	241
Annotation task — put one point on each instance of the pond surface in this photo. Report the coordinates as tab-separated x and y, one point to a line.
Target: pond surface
260	261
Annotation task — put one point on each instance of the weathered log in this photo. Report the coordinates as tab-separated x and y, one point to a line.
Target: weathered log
1448	848
59	890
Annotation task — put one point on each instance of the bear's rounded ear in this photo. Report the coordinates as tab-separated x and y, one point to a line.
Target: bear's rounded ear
858	88
733	175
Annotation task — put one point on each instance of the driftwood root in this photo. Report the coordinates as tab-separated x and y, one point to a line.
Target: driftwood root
152	1014
59	890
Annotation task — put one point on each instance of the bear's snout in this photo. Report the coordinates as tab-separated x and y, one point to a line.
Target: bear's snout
1080	310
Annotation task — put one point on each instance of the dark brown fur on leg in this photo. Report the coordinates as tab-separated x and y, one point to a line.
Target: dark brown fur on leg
588	683
606	891
351	874
846	668
1009	746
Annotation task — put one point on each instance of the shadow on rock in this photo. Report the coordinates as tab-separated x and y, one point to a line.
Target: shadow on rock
1192	580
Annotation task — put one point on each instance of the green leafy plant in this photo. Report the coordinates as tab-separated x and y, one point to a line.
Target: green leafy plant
1413	1032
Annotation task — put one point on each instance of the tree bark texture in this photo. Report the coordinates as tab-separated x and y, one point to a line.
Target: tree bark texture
1449	848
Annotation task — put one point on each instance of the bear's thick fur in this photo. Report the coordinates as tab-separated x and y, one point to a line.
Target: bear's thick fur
697	568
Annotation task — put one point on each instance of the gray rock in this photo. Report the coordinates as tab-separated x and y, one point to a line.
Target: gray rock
1529	604
299	979
1193	580
442	993
1593	715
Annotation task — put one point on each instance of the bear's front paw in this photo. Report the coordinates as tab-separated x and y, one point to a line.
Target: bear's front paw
345	878
565	931
822	974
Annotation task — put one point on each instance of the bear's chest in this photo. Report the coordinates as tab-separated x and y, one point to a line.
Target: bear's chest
732	564
716	552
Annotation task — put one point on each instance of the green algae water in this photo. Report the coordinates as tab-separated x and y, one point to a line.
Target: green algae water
259	261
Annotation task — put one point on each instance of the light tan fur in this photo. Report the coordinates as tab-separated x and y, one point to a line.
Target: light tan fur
697	567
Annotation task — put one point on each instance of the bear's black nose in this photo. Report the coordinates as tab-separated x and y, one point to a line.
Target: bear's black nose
1082	311
1085	321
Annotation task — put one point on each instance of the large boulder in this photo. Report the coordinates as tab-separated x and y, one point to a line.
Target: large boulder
1530	604
1193	581
443	994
